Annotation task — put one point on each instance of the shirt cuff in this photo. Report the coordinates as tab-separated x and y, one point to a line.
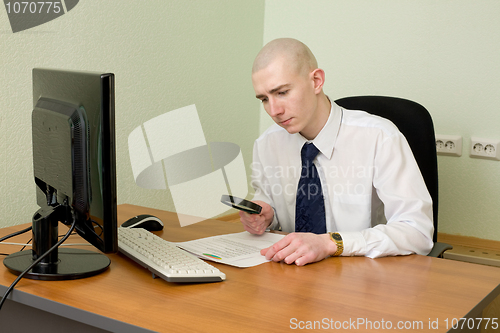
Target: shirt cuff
274	225
354	243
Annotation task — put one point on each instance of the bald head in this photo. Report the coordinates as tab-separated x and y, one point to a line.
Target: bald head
289	50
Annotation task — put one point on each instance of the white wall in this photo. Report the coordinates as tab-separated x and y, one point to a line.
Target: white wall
444	54
165	55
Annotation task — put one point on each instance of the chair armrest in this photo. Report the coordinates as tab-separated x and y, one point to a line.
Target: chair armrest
438	249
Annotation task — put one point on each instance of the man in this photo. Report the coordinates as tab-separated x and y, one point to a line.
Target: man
372	201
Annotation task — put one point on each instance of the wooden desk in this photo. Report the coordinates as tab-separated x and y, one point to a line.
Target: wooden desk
273	297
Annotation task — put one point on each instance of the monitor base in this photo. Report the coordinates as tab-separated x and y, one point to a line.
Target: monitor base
72	264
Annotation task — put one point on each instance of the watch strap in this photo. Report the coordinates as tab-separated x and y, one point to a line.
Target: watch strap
337	238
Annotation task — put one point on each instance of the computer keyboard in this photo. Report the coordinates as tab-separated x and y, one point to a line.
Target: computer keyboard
164	259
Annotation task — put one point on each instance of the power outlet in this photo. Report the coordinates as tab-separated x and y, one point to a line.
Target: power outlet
484	148
450	145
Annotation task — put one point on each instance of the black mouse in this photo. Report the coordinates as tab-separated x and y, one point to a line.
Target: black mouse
148	222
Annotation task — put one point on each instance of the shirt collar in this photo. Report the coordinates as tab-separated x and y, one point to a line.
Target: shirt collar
326	138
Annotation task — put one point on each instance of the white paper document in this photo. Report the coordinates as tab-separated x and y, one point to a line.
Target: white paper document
239	249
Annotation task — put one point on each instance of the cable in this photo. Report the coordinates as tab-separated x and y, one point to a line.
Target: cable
24	245
9	290
12	235
16	233
28	244
62	245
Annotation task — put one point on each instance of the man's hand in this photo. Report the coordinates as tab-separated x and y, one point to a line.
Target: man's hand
301	248
258	223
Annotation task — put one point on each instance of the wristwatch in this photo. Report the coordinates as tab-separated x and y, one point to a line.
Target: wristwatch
335	236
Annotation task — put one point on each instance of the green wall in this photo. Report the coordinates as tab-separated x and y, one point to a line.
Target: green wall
168	54
444	54
165	55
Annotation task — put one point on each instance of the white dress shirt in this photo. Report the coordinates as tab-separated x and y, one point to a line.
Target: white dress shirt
375	196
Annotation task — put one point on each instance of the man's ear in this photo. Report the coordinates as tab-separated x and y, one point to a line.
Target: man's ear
318	77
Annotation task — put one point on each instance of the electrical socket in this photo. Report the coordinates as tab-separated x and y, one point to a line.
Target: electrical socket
450	145
484	148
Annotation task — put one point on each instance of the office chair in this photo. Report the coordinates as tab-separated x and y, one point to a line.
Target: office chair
415	122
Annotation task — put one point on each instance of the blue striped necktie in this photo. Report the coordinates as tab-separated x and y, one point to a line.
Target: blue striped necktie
310	205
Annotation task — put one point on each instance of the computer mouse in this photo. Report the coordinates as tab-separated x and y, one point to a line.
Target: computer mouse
148	222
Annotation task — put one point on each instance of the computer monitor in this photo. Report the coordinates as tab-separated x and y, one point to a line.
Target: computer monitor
74	165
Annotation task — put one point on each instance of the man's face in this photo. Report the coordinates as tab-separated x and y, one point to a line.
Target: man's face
288	96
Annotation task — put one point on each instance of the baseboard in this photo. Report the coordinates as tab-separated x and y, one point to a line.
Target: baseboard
472	249
469	241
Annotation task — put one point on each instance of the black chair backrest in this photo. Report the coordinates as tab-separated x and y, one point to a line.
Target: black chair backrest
415	122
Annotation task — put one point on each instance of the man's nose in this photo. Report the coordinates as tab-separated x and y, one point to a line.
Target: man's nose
274	108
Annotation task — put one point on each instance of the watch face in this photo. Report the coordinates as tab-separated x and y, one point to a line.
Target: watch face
337	236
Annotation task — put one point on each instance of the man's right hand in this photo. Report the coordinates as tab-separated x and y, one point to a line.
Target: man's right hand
258	223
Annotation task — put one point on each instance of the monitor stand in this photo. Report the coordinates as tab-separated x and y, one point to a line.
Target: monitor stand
60	264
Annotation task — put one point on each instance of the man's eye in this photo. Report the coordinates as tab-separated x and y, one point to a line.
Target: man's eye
282	93
263	100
